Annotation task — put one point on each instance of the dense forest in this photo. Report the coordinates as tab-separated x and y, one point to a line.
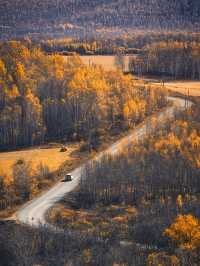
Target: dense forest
45	97
140	208
146	198
158	13
133	203
77	18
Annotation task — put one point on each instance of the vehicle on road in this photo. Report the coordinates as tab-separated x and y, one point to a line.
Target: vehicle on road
67	178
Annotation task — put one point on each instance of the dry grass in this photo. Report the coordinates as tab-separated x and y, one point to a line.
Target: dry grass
184	87
108	62
52	157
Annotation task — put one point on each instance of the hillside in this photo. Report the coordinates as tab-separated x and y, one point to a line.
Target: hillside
35	15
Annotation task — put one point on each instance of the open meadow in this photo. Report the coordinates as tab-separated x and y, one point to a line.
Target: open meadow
50	157
190	88
108	62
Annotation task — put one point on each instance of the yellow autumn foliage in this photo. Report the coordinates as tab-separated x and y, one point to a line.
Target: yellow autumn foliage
185	232
162	259
131	210
120	219
87	256
20	71
168	144
14	92
119	264
179	201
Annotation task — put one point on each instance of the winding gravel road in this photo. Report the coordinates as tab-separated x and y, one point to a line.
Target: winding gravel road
33	213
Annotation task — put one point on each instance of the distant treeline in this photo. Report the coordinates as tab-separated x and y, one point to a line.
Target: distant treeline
123	13
124	44
92	47
178	59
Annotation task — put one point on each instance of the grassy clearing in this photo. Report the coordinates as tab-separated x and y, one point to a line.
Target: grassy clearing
51	157
108	62
58	164
185	87
180	86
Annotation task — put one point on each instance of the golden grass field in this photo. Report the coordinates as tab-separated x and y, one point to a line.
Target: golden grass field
108	62
185	87
52	157
188	88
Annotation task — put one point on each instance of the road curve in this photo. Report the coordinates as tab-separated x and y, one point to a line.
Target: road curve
33	213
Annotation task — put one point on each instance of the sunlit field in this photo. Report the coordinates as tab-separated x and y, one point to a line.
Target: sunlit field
108	62
188	88
185	87
51	157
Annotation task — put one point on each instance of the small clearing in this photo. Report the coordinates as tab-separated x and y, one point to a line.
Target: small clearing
189	88
49	156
